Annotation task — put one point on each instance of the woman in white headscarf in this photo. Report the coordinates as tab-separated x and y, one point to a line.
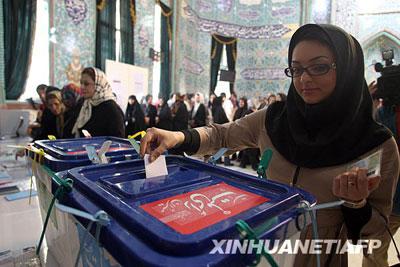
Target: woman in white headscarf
100	115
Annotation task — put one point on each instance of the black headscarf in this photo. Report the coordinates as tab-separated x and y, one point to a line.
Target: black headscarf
338	129
241	112
130	108
218	112
134	111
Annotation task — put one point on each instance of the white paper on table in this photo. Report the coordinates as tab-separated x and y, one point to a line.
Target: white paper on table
155	168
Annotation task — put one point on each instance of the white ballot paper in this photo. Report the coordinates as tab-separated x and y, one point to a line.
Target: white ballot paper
155	168
86	133
372	163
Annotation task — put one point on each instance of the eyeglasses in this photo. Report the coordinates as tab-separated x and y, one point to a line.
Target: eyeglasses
313	70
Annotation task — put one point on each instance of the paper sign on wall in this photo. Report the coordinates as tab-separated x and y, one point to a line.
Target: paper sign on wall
126	80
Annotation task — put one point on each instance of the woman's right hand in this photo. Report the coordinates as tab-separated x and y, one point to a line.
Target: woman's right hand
157	141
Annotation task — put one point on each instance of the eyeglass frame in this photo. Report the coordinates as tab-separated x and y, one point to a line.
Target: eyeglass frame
331	66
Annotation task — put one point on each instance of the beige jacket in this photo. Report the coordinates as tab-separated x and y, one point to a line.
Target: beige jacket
250	131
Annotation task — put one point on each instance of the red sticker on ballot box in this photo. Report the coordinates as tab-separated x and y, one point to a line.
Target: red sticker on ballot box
190	212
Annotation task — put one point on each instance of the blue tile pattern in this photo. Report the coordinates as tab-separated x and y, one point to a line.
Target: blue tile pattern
75	24
144	37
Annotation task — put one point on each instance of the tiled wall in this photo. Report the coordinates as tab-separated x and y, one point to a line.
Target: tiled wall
262	43
193	57
74	22
371	25
372	54
144	38
382	15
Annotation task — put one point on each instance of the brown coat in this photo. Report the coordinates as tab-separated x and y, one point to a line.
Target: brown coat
250	131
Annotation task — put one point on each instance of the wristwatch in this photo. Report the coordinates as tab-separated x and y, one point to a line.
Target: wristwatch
355	205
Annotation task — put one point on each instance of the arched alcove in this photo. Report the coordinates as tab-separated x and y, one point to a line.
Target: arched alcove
373	47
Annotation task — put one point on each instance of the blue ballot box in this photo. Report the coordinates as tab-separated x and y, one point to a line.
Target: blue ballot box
177	219
65	154
48	156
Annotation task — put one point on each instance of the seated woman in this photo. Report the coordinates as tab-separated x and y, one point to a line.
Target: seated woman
322	129
100	115
34	128
52	123
73	103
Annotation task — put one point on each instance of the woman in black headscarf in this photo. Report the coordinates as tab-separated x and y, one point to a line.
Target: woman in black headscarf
180	114
73	102
242	109
164	116
134	117
249	155
218	112
240	112
323	128
219	117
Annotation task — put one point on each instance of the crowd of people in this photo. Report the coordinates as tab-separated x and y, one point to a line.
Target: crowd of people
65	112
182	112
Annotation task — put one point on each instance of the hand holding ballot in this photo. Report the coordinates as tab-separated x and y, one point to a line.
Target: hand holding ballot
360	180
157	141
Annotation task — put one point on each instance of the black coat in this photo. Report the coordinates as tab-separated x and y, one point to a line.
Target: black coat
219	115
218	112
70	117
134	119
107	120
48	126
165	118
240	113
199	118
151	112
181	118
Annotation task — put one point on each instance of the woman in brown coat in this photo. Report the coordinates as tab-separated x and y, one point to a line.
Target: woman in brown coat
324	126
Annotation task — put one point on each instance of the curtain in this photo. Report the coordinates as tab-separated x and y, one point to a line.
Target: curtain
166	32
216	54
217	46
19	30
105	32
231	59
128	17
